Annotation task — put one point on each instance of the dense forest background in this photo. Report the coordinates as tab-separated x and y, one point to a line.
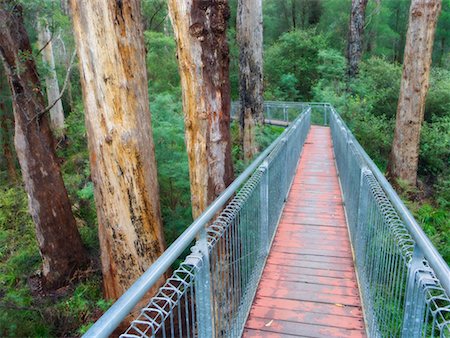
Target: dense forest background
304	60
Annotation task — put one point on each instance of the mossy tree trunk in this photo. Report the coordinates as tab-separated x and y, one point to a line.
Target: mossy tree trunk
58	238
110	45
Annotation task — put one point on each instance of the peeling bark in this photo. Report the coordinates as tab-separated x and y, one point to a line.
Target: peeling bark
250	40
110	45
404	157
59	241
355	35
203	56
51	80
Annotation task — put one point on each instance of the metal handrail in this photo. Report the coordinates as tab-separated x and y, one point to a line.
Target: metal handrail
437	263
403	278
401	273
125	304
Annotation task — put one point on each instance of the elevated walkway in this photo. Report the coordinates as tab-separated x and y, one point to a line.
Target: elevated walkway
308	286
248	274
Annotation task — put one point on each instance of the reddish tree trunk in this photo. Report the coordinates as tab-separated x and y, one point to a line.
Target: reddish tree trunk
7	151
203	56
5	127
59	241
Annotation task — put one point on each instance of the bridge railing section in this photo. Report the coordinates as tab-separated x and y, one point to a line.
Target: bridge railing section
404	282
275	112
210	293
285	111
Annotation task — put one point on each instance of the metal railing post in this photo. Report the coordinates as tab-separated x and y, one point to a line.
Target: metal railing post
362	204
413	310
203	292
285	169
264	199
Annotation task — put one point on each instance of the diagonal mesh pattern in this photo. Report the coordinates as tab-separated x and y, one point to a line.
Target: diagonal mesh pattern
401	294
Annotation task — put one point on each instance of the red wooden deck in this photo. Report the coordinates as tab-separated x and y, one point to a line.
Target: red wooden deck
308	287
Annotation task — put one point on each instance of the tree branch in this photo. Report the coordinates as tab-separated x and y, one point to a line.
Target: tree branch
66	81
46	44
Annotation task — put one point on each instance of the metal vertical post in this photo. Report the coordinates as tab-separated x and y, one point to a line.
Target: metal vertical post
285	168
362	208
284	114
203	292
414	306
264	198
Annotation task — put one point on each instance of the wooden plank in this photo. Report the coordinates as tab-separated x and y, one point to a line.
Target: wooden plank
344	322
250	333
308	287
311	271
297	305
309	330
311	258
314	251
295	277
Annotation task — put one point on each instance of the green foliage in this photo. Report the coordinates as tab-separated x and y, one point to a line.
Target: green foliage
435	221
438	98
161	63
281	16
334	22
291	65
77	178
379	84
434	157
172	161
154	14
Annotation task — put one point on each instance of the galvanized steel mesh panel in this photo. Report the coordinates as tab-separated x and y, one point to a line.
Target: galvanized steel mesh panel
401	294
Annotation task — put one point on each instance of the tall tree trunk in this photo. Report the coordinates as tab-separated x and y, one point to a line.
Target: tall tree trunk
65	8
355	36
203	56
6	146
51	80
59	241
294	14
110	45
5	116
404	156
250	40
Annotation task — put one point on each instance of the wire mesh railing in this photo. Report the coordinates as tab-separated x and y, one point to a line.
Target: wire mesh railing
404	282
211	292
274	112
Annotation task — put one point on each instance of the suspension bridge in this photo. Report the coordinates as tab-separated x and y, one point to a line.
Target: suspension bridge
310	241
